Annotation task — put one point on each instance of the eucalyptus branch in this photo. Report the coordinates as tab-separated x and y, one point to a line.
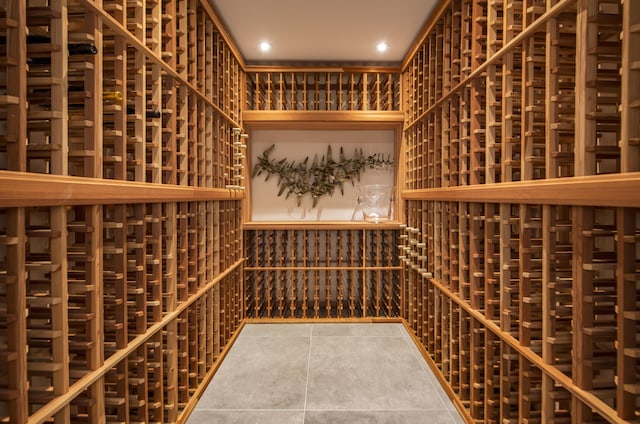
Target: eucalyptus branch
320	178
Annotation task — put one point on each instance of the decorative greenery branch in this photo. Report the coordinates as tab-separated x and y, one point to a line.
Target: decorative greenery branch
322	177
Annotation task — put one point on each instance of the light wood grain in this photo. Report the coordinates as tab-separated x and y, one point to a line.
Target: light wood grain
28	189
617	190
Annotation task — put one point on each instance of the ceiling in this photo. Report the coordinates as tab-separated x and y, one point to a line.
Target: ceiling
324	31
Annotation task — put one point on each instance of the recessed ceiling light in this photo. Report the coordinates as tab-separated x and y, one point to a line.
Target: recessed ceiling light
382	47
265	46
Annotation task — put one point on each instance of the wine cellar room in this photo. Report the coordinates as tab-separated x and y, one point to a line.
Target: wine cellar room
467	171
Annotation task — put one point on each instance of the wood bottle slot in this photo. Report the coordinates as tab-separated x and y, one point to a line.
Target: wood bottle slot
117	299
560	111
602	59
47	333
510	268
530	262
630	102
182	252
85	301
46	124
627	316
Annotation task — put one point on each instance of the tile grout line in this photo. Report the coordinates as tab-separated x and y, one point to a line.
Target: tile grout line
425	367
306	386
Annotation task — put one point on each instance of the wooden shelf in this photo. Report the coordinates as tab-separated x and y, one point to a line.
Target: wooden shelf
321	119
319	225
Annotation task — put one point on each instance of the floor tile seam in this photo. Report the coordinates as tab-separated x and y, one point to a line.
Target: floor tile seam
416	353
249	410
377	336
306	384
426	368
274	337
322	410
378	410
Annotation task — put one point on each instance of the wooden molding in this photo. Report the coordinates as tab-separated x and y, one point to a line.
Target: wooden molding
320	68
319	225
258	119
21	189
611	190
426	29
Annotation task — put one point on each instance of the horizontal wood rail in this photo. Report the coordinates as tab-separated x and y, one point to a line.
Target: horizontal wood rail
339	119
322	268
614	190
320	68
21	189
318	225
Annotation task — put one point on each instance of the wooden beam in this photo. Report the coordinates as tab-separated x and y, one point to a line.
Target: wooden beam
20	189
332	119
316	225
614	190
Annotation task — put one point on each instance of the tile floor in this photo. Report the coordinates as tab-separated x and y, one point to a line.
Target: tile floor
324	373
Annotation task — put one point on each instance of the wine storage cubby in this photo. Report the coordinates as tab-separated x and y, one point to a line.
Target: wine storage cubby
117	297
123	102
147	311
519	98
322	273
327	90
552	284
527	300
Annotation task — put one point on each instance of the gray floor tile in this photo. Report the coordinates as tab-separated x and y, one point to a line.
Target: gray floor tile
367	373
341	373
276	330
346	330
443	395
378	417
260	373
457	419
204	416
431	376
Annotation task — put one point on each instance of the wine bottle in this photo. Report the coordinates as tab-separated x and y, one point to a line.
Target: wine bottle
113	96
149	113
72	48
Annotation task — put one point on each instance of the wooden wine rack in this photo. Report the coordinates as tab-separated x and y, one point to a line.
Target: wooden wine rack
521	198
323	272
120	244
331	89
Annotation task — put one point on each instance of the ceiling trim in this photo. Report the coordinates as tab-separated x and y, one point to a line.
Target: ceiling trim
312	67
426	29
226	35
